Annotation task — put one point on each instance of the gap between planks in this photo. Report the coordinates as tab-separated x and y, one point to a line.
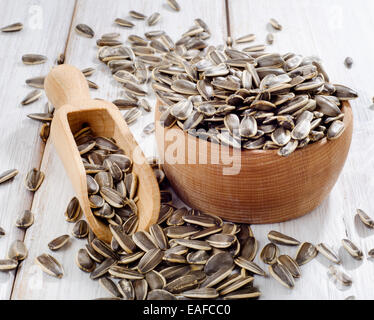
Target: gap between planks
43	146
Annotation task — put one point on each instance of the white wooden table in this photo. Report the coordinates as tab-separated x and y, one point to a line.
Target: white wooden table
331	30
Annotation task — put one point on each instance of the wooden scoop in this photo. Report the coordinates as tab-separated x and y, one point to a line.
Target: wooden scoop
67	90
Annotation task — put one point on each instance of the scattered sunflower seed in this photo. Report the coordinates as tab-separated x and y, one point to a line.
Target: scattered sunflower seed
50	265
84	30
31	97
7	175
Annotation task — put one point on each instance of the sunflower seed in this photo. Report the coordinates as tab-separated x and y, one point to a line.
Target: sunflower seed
58	242
126	289
217	261
124	240
290	264
282	239
282	275
364	217
80	229
275	24
348	62
50	265
125	273
352	249
25	219
305	253
173	4
37	82
34	59
247	293
246	38
153	19
31	97
269	253
7	175
84	30
8	264
137	15
18	26
325	250
270	38
249	265
150	260
123	23
340	276
159	294
110	286
102	268
335	130
17	251
73	211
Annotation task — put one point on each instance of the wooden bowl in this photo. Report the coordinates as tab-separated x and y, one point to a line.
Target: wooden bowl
269	188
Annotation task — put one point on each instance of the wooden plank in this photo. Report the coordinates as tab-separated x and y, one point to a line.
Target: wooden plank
51	200
45	32
331	31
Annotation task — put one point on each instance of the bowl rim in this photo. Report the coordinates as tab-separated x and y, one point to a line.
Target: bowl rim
345	106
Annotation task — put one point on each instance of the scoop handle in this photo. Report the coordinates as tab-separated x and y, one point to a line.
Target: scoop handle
66	84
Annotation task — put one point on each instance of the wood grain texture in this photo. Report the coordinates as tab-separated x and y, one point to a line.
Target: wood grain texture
55	193
20	145
252	186
331	30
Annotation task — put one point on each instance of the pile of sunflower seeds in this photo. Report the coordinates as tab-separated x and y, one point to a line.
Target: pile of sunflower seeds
111	184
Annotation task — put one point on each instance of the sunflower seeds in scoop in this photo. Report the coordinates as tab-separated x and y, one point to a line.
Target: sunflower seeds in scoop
282	239
73	210
249	265
112	196
123	23
110	286
269	253
58	242
352	249
364	217
80	229
153	19
282	275
17	251
290	264
137	15
34	59
50	265
7	175
31	97
84	30
18	26
305	253
8	264
173	4
25	219
340	276
124	240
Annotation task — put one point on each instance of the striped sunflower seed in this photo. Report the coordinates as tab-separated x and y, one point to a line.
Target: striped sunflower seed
58	242
174	5
280	273
73	211
141	289
282	239
290	264
364	217
80	229
14	27
8	264
326	251
25	219
37	82
50	265
352	249
153	18
7	175
126	289
110	286
123	23
137	15
305	253
17	251
84	30
34	59
31	97
84	261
